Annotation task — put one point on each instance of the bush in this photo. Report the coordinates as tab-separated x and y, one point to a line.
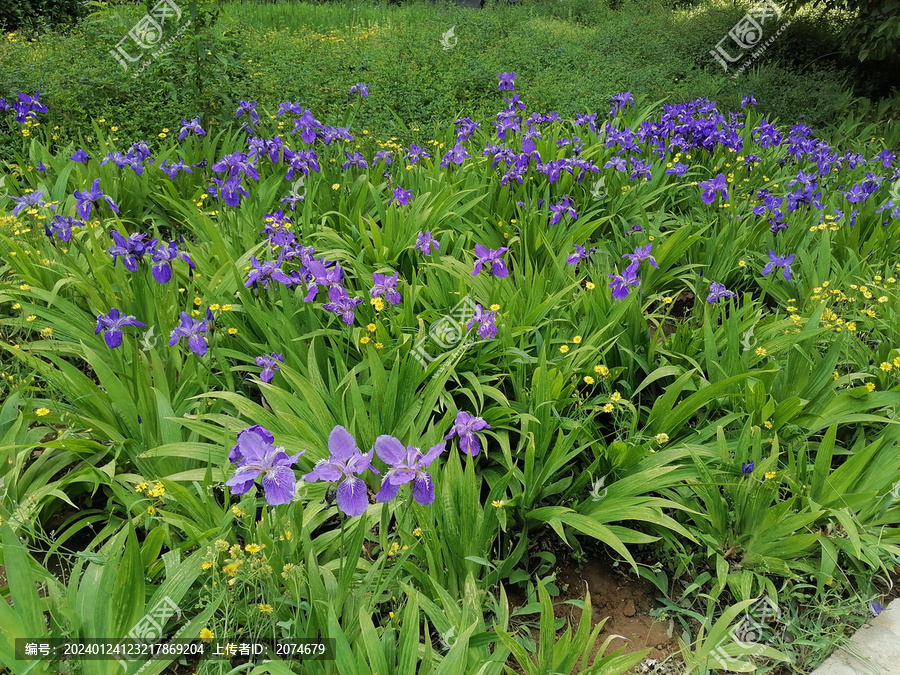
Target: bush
874	33
16	14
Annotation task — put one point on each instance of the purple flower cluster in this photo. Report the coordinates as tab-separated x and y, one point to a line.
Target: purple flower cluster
26	107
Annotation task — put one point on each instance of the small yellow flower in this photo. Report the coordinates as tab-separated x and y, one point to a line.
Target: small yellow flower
254	548
391	614
588	379
46	332
336	186
742	263
238	511
608	408
616	396
151	510
232	331
886	366
590	285
140	487
870	386
768	424
498	503
365	340
417	532
205	565
30	318
883	299
769	475
760	351
265	609
494	308
231	569
897	361
564	349
157	490
661	438
668	300
377	303
17	305
206	634
226	308
40	412
577	339
602	371
215	307
371	328
221	544
378	345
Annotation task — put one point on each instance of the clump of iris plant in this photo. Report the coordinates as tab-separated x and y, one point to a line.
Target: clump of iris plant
345	463
487	329
718	292
255	455
406	465
465	427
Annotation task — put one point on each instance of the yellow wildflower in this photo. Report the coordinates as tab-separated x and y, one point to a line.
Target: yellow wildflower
265	609
40	412
238	511
588	379
564	349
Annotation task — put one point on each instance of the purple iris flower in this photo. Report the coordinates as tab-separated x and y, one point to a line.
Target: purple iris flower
40	167
415	153
387	286
748	100
255	455
87	198
171	170
163	257
639	168
747	468
188	127
343	466
31	199
457	155
580	254
113	322
62	226
287	107
122	161
130	249
713	186
424	242
887	157
718	292
308	124
230	190
779	261
363	89
249	108
401	196
386	155
265	272
876	607
236	163
80	156
192	330
318	275
465	427
641	253
354	159
487	329
269	365
485	255
331	134
616	163
507	81
620	284
407	465
292	199
620	102
678	169
341	303
565	205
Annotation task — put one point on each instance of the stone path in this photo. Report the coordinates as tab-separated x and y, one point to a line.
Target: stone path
874	650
